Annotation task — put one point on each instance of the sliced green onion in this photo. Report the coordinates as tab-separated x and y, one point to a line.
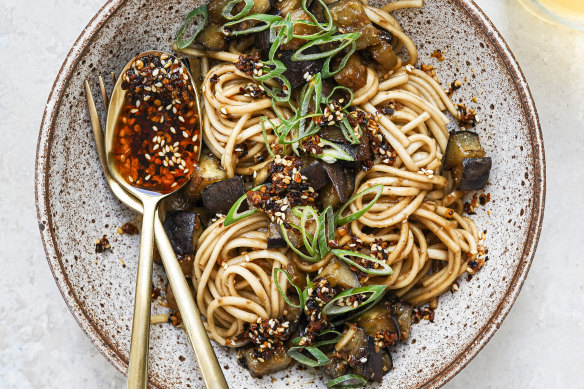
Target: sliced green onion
385	269
333	153
347	381
226	13
326	72
375	292
282	293
338	336
265	23
265	134
320	359
348	132
310	244
309	285
300	253
344	39
202	10
340	220
327	230
326	27
234	216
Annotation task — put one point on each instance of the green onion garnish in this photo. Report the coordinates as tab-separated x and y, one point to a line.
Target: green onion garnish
375	292
183	43
226	13
265	23
234	216
345	255
347	381
343	39
282	293
332	152
341	220
320	359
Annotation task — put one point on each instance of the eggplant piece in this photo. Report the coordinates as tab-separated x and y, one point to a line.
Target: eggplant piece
354	74
332	133
295	70
183	229
336	367
203	214
349	16
186	262
383	54
338	273
278	361
275	239
286	6
170	300
364	149
465	157
462	144
377	319
339	180
206	173
211	38
216	8
297	275
177	201
359	352
316	174
220	196
402	311
473	174
386	361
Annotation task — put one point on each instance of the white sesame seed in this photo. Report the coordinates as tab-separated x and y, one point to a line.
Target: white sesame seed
173	130
185	134
155	147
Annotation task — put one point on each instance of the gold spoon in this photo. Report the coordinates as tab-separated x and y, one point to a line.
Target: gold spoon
138	364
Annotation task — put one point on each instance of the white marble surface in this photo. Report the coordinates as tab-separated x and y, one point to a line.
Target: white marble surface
540	344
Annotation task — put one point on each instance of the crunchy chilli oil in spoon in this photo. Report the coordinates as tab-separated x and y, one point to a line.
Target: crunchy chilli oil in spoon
153	142
156	143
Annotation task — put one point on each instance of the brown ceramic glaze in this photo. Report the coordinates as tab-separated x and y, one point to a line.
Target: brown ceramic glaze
75	206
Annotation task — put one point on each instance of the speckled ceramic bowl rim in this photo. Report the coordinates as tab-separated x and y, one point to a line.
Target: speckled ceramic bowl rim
442	376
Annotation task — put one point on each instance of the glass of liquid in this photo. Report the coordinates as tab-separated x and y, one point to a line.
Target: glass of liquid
567	12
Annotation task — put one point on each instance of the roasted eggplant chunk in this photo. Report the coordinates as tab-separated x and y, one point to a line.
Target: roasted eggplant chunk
378	319
330	195
275	239
332	133
211	38
278	361
295	70
349	16
220	196
473	174
339	180
338	273
208	172
362	355
462	144
383	54
402	311
316	174
183	229
354	74
465	157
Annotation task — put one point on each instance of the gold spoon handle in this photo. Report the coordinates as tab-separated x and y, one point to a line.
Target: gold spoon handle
138	366
209	366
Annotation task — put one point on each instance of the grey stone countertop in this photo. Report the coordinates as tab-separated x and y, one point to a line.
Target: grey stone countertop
540	344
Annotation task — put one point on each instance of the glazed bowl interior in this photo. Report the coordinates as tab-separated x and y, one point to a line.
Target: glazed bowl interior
75	206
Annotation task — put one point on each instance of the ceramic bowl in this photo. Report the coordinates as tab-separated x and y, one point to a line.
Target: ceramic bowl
75	206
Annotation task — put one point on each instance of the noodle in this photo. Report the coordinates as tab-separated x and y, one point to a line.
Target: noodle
428	244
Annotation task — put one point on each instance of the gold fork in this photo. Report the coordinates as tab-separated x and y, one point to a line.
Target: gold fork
209	366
